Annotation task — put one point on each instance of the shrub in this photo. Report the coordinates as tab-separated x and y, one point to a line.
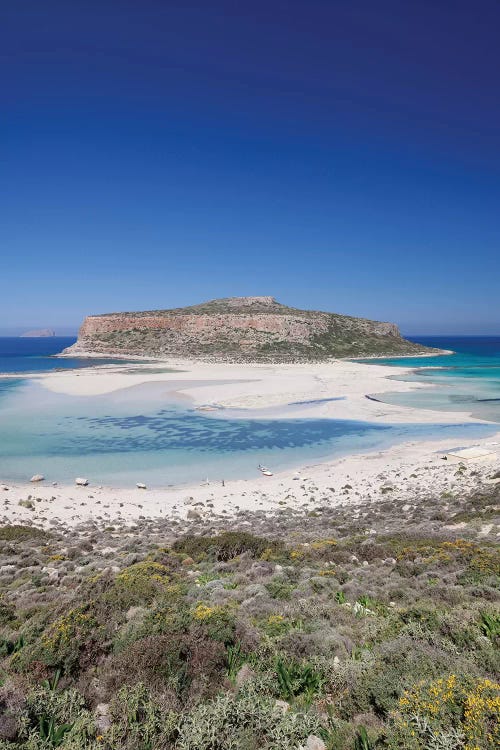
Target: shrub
168	614
490	625
137	584
139	721
426	615
277	625
68	637
182	667
243	722
56	719
17	532
226	546
7	611
280	589
157	661
362	741
468	709
297	679
217	623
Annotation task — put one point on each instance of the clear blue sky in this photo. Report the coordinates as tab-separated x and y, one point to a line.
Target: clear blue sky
339	155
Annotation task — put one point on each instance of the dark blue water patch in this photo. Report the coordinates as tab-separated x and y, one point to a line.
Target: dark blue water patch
187	431
484	346
27	355
174	430
468	352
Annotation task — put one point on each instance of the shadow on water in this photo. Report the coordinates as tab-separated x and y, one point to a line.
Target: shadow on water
116	440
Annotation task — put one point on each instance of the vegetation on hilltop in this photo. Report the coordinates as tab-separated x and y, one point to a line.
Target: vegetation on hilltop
156	343
243	329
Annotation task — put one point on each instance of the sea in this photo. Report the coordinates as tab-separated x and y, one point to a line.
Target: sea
466	381
26	355
140	435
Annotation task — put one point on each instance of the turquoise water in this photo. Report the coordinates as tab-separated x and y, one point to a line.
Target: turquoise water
142	435
146	434
466	381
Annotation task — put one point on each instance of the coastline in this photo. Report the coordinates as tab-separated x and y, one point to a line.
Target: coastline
411	467
259	386
424	355
254	390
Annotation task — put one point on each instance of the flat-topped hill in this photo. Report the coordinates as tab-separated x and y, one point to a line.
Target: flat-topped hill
241	329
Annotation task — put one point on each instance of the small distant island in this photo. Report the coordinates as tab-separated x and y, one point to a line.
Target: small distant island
241	329
42	333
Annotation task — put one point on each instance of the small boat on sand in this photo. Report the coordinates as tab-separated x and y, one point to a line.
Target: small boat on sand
265	471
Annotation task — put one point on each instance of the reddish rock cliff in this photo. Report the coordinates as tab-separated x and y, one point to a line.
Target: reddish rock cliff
257	328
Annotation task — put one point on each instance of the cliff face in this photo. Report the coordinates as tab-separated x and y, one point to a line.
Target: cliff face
240	328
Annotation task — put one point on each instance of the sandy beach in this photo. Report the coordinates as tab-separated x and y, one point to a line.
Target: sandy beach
273	391
261	386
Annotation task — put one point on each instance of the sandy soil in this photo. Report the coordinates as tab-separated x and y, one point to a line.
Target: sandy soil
257	386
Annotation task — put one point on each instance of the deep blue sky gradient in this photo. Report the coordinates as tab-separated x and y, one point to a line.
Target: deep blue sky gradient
339	155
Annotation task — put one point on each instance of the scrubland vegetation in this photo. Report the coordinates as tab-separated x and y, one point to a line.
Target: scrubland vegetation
279	631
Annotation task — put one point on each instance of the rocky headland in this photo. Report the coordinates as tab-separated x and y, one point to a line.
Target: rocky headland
241	329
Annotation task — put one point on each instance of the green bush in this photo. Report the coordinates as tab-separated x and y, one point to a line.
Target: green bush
140	722
18	532
490	625
216	623
56	719
7	611
297	679
138	584
245	722
226	546
64	640
362	740
280	589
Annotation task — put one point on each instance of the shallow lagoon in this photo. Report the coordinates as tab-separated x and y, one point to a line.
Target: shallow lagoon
466	381
147	434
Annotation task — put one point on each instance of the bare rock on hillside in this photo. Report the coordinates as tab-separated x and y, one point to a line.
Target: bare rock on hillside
241	329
